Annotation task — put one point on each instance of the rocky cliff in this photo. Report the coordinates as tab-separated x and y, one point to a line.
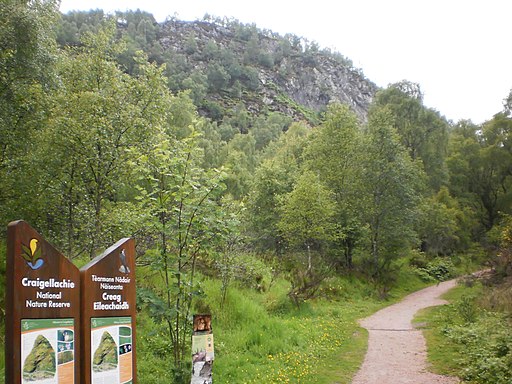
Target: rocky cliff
265	71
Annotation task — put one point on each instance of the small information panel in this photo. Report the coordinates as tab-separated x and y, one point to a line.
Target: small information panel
108	316
202	350
42	311
47	351
111	350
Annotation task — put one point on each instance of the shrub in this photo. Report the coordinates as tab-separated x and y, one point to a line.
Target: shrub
418	259
439	269
467	309
487	345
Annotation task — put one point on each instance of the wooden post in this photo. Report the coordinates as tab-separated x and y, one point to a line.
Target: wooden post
202	350
108	316
42	310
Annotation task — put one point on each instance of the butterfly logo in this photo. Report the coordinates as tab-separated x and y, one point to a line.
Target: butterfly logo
32	254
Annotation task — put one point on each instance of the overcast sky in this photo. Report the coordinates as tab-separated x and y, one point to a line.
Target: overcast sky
457	50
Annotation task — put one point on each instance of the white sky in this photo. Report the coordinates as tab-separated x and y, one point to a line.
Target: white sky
457	50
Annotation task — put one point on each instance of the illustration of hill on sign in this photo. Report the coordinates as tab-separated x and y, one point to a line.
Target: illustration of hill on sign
105	356
40	363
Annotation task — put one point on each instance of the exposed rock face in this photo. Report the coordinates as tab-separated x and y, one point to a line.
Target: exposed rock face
293	78
40	363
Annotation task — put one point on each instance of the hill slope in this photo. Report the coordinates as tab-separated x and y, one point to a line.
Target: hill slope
229	66
267	71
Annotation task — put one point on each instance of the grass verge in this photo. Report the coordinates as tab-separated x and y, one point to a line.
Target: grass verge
468	338
443	353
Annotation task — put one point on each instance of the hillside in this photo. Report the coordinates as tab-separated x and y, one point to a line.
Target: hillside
291	79
226	64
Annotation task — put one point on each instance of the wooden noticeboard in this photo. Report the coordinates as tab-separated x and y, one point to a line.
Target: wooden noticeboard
43	310
108	316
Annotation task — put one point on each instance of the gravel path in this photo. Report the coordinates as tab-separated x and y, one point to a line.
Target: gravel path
396	350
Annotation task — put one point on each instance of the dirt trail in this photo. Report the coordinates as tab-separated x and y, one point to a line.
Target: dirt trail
396	350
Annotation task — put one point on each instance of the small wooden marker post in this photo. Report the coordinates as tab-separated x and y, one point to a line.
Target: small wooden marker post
202	350
108	316
42	311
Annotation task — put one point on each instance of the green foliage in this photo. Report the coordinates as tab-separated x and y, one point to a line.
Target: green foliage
467	309
438	269
185	222
77	23
241	270
260	337
499	297
259	344
502	263
443	354
335	154
305	272
391	185
487	345
273	179
479	165
306	223
100	113
154	305
154	346
266	130
444	228
27	63
240	160
306	213
202	60
439	228
94	147
422	131
218	77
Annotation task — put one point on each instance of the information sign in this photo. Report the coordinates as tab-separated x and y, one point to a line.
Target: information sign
42	311
108	316
202	350
111	350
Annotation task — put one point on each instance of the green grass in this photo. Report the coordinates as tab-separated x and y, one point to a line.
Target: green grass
261	337
273	342
318	343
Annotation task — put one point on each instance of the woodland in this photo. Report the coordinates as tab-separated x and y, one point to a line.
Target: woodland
111	128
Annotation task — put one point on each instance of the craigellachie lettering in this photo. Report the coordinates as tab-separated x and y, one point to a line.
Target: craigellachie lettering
51	283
